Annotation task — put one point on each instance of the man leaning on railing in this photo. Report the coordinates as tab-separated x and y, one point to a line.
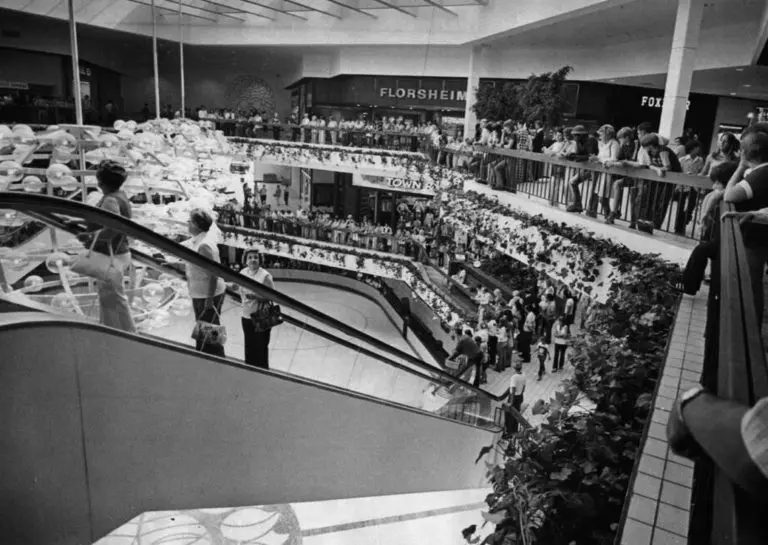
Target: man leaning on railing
748	191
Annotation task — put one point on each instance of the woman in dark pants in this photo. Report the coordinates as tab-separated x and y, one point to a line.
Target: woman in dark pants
256	342
206	290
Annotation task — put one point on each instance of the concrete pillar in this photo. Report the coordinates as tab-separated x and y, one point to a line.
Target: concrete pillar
682	61
473	82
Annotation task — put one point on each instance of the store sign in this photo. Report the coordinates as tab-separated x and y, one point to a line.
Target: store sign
398	185
657	102
18	85
423	94
402	183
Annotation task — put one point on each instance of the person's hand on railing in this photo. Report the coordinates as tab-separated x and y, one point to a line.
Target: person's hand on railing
754	216
658	170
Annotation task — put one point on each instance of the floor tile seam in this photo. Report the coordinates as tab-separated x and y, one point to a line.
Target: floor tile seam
392	519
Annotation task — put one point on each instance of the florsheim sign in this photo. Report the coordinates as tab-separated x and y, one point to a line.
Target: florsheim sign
423	94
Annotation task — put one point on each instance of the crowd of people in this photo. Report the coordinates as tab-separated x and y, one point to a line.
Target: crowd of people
386	132
630	147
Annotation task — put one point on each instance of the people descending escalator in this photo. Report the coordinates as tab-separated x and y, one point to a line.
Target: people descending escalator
109	256
256	336
206	290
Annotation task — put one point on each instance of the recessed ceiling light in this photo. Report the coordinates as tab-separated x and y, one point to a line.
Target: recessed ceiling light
739	69
733	94
747	85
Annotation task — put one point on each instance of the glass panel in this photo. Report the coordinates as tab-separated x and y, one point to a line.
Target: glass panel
40	271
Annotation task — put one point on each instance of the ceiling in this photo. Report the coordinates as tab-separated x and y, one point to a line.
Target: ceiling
634	21
112	13
743	82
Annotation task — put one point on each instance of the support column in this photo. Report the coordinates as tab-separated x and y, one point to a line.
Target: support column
682	61
473	82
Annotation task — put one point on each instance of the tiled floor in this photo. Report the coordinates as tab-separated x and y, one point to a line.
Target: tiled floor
660	500
386	520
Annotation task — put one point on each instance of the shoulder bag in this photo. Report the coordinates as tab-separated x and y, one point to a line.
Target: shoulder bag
97	265
266	317
209	333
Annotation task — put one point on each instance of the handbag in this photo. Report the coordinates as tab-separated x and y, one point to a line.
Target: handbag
97	265
208	333
266	317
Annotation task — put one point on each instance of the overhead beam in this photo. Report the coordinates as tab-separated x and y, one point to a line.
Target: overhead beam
238	10
398	8
265	6
441	7
358	10
175	11
206	10
328	13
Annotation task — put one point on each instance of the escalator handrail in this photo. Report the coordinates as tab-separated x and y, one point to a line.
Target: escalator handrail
47	205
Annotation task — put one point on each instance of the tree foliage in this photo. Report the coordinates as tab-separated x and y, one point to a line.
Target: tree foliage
540	97
498	102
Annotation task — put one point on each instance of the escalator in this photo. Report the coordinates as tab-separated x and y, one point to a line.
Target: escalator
102	425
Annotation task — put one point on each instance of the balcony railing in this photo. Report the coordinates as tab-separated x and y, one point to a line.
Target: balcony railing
359	138
670	203
734	368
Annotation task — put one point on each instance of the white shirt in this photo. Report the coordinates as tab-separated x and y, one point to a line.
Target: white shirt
250	300
530	322
517	384
198	280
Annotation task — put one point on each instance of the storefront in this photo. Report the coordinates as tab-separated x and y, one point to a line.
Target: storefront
373	197
625	106
419	100
594	103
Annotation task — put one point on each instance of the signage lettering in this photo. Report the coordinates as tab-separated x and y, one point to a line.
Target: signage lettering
423	94
85	71
657	102
402	183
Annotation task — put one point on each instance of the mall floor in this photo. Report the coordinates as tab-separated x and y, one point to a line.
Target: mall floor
412	519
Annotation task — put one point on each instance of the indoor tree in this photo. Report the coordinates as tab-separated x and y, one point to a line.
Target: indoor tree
539	97
542	97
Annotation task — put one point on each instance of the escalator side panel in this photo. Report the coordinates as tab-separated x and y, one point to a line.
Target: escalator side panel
166	428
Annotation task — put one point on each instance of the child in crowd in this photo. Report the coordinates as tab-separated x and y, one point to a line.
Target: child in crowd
542	353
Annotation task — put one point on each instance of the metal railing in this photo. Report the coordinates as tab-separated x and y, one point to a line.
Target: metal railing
670	203
345	236
735	369
353	137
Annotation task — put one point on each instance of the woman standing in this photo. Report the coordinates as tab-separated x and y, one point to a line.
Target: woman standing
726	152
256	342
113	304
608	153
560	334
205	289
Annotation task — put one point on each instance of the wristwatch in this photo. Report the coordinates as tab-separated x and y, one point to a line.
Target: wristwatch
681	441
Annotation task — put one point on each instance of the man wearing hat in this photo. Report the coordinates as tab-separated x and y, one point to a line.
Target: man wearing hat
732	435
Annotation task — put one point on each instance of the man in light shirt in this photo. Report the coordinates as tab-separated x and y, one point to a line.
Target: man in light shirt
516	391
